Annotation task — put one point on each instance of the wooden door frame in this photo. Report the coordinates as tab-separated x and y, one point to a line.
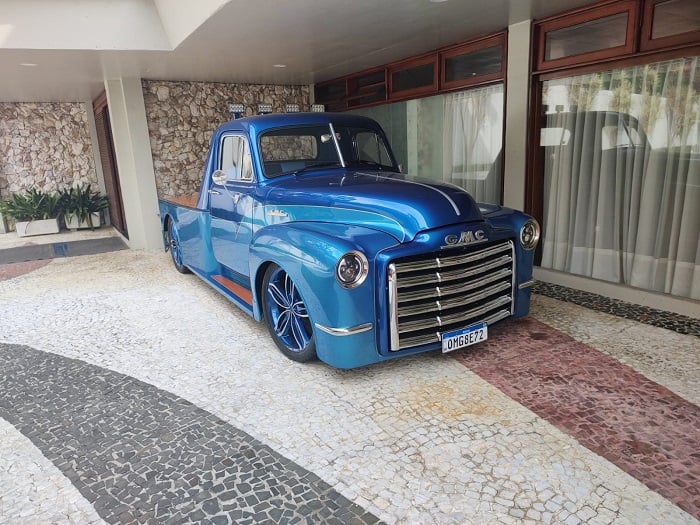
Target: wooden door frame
110	170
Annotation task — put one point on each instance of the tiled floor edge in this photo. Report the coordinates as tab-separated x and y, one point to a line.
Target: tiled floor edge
643	314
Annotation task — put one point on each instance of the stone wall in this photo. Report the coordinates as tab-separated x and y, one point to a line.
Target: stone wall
183	115
44	146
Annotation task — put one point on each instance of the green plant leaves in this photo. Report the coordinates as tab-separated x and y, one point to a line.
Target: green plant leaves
80	202
31	205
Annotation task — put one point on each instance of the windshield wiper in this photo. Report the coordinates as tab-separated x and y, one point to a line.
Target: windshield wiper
314	166
374	165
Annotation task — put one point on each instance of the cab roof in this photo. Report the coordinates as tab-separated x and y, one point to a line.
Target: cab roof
261	123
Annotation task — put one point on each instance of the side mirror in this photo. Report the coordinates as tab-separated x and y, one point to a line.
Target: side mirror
219	177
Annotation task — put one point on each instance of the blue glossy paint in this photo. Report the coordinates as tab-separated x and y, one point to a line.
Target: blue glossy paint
391	199
305	222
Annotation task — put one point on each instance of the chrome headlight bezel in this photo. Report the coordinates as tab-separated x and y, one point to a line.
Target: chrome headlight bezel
529	234
359	263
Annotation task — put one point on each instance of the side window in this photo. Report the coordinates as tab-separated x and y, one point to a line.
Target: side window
554	136
371	148
616	136
246	162
235	158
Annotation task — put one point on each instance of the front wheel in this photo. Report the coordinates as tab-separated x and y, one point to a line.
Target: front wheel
172	241
286	316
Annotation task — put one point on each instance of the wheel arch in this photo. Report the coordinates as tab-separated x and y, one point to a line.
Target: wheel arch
288	257
164	230
309	252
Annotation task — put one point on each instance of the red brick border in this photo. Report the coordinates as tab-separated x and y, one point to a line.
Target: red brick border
640	426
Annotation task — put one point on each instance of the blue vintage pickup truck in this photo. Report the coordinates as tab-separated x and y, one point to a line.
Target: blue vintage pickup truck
306	223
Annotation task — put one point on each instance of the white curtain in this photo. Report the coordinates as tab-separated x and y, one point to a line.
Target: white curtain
472	141
622	176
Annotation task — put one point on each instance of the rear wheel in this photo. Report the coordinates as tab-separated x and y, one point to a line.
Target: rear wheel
286	315
172	240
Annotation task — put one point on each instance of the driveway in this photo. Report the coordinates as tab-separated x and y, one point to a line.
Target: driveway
133	394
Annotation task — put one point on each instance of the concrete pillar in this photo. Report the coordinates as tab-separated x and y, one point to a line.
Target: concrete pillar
132	149
412	136
517	100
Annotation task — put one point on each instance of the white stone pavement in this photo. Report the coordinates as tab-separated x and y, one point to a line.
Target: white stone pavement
417	440
32	490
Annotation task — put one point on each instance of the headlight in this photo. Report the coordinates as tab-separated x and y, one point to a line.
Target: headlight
530	234
351	269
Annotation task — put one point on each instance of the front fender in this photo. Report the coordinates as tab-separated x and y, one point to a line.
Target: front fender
507	218
308	252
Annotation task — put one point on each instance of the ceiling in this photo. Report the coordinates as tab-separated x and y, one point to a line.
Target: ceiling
238	41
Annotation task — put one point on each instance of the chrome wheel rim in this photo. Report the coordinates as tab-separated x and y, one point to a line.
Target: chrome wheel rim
287	311
174	245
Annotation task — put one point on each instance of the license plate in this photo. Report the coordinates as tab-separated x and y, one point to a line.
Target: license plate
464	337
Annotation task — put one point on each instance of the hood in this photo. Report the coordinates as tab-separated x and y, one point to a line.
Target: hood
389	202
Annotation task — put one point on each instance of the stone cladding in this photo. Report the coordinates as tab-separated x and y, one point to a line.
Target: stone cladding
44	146
183	115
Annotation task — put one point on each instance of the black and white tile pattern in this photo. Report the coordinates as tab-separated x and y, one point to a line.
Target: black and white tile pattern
143	455
142	371
643	314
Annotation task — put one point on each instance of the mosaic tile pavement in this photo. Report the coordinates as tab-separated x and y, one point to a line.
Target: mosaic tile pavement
11	270
644	314
451	439
37	252
637	424
141	455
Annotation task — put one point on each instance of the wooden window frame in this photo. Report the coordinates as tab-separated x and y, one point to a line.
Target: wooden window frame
353	92
403	65
439	85
647	43
582	16
341	100
470	47
667	48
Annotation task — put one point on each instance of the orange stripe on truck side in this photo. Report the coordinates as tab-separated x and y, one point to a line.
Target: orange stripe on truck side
235	288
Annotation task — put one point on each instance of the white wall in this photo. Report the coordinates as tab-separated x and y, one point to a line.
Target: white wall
78	24
181	17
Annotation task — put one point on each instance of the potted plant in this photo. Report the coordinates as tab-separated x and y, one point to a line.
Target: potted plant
82	206
35	212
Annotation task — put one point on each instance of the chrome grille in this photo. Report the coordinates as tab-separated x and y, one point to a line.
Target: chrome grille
433	294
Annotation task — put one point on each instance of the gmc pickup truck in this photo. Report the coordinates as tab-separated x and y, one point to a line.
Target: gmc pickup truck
306	223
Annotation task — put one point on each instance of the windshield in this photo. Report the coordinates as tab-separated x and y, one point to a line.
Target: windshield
303	148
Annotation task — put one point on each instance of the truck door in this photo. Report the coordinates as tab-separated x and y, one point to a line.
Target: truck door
231	206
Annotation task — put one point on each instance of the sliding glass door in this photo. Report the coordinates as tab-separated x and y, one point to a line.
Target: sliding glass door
621	161
454	137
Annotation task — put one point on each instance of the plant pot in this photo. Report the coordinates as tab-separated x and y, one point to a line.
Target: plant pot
38	227
72	222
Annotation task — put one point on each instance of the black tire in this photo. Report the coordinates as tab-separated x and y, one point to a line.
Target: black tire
172	243
286	316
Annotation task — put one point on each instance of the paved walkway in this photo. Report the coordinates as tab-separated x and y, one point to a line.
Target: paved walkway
133	394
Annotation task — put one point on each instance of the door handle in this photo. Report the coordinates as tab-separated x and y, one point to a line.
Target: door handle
215	192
